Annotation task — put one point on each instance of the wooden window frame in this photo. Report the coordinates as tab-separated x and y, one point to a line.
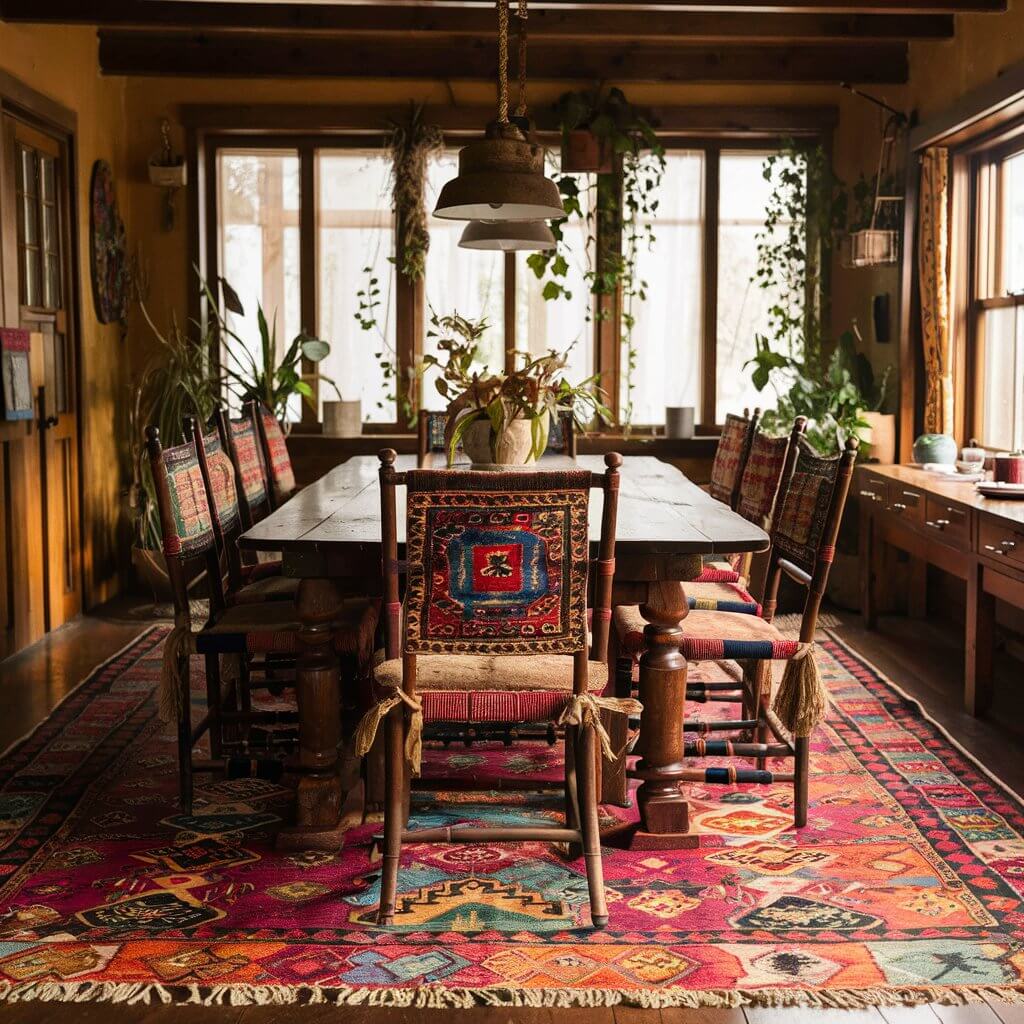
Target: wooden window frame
711	130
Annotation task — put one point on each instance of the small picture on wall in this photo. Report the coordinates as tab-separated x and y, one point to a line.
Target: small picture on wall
15	346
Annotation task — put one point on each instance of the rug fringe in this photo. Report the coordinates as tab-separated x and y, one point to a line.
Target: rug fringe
437	998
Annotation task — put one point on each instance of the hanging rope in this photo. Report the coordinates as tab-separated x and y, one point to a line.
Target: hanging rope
521	16
503	61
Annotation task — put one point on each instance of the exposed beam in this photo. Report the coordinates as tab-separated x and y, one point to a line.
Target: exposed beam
141	52
664	26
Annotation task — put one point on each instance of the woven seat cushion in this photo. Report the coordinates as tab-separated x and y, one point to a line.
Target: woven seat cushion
711	635
720	570
261	570
267	588
721	597
272	627
478	688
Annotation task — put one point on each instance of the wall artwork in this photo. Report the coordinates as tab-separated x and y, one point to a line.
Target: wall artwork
15	346
108	257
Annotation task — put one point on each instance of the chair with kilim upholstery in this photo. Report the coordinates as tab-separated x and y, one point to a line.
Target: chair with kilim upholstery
243	445
803	537
494	627
245	583
274	448
430	434
238	633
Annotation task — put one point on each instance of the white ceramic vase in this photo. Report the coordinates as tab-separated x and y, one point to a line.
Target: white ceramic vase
343	419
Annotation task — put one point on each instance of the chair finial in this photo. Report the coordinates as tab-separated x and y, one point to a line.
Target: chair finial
613	460
387	456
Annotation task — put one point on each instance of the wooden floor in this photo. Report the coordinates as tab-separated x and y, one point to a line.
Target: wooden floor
918	657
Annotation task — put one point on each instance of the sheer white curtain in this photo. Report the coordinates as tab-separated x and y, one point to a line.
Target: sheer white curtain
354	232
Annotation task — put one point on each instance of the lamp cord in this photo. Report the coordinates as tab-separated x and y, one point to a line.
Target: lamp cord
503	61
521	16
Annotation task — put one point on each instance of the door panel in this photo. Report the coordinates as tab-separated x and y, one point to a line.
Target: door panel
40	509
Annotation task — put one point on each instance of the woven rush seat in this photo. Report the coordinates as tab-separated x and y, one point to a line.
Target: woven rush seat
711	636
517	689
719	571
721	597
272	628
267	588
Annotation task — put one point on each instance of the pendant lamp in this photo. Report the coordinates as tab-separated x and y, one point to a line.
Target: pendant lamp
501	177
507	236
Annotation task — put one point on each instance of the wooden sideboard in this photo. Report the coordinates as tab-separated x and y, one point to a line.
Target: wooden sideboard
947	524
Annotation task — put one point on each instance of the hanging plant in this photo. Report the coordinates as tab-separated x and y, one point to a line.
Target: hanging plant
619	204
412	142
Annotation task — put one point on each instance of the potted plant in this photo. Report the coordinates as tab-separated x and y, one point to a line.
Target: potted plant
268	380
597	126
502	419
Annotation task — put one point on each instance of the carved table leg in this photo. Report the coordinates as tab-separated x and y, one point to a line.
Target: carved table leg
318	801
664	812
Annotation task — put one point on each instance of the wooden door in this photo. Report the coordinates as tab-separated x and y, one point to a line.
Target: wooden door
41	496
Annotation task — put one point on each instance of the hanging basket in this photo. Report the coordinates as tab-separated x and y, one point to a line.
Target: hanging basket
585	152
871	247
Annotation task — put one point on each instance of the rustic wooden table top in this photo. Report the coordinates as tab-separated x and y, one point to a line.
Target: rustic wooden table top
332	524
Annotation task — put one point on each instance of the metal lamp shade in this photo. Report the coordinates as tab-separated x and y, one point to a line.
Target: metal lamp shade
507	236
501	178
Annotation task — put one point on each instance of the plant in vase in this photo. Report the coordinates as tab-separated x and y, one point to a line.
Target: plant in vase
502	418
269	380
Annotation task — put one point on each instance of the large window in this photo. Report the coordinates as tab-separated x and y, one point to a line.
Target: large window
996	311
303	225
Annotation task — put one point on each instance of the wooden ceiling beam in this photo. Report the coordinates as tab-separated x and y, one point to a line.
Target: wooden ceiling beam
143	52
563	25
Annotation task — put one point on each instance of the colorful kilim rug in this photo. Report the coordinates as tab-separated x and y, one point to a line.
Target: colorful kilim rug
906	886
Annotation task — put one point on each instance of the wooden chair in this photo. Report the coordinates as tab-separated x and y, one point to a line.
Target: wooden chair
243	444
430	434
240	631
259	581
495	624
274	447
803	546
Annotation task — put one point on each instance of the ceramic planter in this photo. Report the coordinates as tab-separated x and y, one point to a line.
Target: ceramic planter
881	436
343	419
583	151
935	448
512	447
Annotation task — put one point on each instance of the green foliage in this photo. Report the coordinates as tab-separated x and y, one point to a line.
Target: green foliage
622	202
268	379
535	391
829	383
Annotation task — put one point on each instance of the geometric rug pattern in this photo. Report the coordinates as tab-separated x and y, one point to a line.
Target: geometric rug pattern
907	885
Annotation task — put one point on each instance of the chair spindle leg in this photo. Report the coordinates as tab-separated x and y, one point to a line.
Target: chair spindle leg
800	770
590	826
394	816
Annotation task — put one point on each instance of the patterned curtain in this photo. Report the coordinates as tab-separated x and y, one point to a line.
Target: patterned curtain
932	259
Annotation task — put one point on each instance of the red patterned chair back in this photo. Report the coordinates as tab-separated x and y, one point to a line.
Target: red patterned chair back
243	443
806	525
498	563
731	456
186	522
275	453
763	473
221	488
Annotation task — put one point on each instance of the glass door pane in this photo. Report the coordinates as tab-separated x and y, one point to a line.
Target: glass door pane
1013	224
258	237
355	243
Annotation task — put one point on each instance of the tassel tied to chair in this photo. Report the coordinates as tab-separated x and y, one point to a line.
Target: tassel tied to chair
370	722
585	709
802	700
174	686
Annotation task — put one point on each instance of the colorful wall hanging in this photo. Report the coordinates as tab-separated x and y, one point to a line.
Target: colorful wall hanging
108	258
15	347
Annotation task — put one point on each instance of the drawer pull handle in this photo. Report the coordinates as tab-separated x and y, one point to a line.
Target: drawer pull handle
871	494
995	550
1007	545
937	524
898	506
912	495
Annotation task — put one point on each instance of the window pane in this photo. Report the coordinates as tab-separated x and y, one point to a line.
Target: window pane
355	232
742	305
667	334
562	324
1000	426
464	281
258	210
1013	223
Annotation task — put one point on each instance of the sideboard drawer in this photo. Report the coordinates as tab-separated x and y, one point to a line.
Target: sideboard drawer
950	523
906	503
1001	542
872	488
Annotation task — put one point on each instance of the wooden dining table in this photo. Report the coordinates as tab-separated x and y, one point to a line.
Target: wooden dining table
329	536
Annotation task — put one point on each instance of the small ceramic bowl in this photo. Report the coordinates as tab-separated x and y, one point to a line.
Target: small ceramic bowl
968	466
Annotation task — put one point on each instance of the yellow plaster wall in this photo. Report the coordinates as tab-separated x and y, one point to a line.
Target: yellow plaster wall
61	63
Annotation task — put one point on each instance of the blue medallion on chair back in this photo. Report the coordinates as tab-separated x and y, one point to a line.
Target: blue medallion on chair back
800	524
497	562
